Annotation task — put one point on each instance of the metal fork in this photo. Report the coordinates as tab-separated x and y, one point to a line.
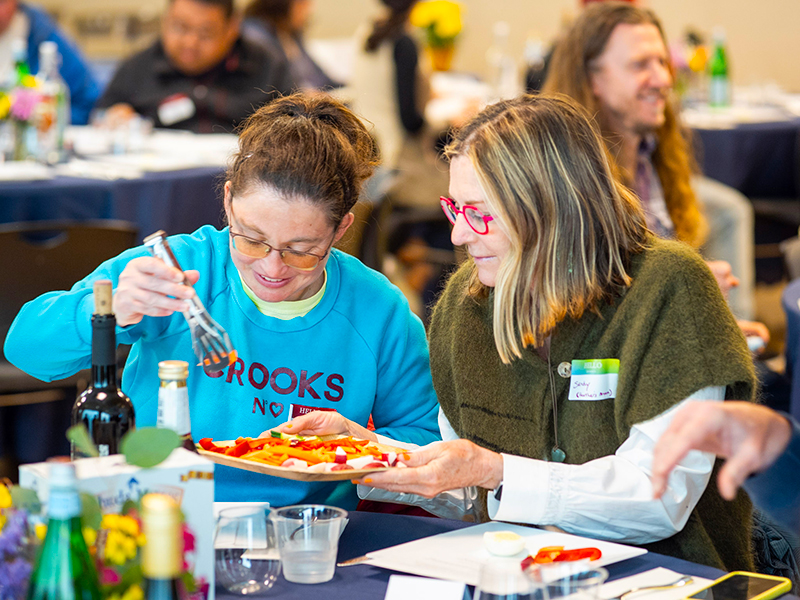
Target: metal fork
685	580
210	341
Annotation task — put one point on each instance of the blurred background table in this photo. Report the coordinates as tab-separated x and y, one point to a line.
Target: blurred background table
172	183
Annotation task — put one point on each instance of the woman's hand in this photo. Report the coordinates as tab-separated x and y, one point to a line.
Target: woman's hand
323	422
148	287
440	467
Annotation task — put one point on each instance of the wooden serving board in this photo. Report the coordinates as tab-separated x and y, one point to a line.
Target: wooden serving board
292	472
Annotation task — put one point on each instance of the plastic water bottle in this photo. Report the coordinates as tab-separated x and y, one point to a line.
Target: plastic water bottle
52	112
502	66
719	91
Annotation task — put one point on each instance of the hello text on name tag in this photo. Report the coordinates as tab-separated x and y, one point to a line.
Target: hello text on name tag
594	379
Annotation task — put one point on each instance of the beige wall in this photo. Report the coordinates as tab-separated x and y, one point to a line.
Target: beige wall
764	35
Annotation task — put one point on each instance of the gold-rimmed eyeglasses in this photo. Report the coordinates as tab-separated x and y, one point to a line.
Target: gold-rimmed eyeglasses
252	248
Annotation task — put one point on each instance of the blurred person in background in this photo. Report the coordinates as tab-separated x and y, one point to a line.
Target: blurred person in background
614	61
201	75
23	21
390	89
280	25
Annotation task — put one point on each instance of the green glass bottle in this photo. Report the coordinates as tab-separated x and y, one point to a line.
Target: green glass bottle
64	569
719	91
162	555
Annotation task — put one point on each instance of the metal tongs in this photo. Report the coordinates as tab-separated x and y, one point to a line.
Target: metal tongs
210	341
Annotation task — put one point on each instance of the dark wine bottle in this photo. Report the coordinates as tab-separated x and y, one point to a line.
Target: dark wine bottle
162	555
107	412
64	569
173	401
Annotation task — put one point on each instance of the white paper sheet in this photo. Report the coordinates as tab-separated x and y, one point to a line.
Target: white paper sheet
658	576
457	555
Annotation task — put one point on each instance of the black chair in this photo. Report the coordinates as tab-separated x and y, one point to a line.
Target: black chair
39	257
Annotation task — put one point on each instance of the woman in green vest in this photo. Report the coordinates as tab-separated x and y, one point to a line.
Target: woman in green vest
561	349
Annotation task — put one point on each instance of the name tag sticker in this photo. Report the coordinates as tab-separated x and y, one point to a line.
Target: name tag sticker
175	108
594	379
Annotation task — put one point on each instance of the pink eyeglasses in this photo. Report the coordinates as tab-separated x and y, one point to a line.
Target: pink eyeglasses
477	221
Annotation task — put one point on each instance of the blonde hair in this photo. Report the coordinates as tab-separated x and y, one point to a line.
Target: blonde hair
572	226
570	73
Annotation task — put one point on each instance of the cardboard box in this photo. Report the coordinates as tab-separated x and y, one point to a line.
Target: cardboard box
186	476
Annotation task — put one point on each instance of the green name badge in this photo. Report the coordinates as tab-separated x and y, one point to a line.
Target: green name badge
594	379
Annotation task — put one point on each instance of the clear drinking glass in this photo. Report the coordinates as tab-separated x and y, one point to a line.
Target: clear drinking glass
246	554
566	581
503	579
308	538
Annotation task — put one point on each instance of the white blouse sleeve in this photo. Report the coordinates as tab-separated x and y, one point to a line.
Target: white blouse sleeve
588	499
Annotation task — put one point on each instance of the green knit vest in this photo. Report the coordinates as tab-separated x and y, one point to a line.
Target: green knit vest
673	334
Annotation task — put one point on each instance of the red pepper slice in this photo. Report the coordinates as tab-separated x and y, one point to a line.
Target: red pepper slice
578	554
209	445
240	449
550	554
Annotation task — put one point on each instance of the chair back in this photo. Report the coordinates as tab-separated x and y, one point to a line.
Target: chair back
43	256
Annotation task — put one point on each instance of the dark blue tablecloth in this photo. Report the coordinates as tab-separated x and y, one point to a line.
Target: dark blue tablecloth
789	299
175	201
759	159
372	531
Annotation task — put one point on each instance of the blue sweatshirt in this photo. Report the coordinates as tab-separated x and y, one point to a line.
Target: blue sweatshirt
360	351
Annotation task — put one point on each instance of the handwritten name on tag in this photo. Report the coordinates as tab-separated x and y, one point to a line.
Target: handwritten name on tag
594	379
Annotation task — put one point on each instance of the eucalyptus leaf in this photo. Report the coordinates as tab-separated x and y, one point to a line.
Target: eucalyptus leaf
148	446
91	515
79	436
25	498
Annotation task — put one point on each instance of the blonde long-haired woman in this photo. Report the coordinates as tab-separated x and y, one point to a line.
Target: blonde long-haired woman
561	348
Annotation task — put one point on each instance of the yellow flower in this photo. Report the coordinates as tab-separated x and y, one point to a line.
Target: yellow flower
133	593
2	521
129	525
5	497
140	539
41	530
129	547
110	521
115	548
441	19
89	536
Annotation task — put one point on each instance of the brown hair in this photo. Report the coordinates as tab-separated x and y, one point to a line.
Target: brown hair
305	146
570	73
390	26
572	226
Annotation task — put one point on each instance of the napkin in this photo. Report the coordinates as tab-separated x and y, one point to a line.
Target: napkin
657	576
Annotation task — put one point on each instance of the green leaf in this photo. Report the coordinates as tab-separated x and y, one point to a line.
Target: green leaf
26	499
79	436
91	514
148	446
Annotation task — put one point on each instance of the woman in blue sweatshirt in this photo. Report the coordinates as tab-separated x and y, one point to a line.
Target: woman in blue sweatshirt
312	326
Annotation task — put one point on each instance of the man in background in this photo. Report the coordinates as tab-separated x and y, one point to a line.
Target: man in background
20	21
614	61
201	75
